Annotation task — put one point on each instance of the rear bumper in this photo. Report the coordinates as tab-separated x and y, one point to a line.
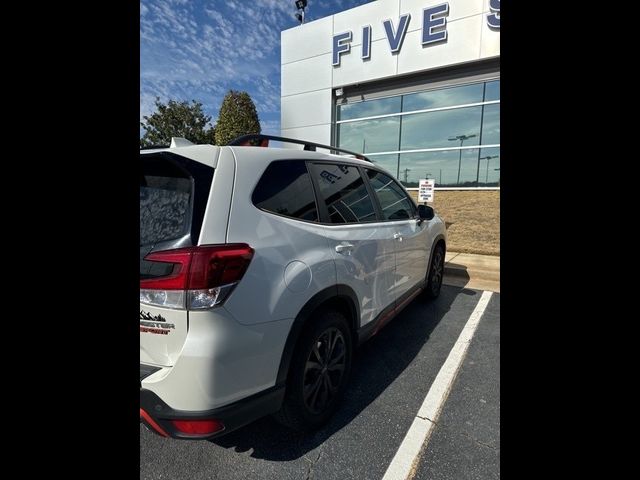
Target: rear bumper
157	415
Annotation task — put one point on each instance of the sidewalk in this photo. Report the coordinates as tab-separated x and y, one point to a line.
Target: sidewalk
481	272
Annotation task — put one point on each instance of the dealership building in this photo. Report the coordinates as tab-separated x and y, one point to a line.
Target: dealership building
413	84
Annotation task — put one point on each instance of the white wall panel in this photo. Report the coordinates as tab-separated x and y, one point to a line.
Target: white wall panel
316	133
306	109
317	39
490	45
306	75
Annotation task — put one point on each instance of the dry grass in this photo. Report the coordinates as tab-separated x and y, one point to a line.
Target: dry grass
473	220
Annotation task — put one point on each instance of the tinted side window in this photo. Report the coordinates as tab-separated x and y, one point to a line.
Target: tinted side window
344	193
285	188
394	202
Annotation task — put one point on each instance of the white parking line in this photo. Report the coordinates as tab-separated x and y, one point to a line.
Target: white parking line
404	462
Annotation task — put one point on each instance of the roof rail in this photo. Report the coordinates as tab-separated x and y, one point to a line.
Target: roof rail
263	141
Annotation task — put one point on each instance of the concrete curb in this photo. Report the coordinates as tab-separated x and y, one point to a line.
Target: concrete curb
480	272
462	271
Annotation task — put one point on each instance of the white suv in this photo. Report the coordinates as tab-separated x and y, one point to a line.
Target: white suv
261	270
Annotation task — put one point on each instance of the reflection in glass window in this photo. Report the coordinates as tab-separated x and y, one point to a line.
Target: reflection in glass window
492	91
393	200
489	171
380	135
449	168
285	188
453	168
444	97
388	162
345	194
447	134
434	129
368	108
491	125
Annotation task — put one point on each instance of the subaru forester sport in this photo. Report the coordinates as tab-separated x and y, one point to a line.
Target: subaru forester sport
261	270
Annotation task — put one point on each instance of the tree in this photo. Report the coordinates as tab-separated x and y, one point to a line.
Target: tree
176	119
238	116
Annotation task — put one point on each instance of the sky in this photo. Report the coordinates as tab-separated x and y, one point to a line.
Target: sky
198	50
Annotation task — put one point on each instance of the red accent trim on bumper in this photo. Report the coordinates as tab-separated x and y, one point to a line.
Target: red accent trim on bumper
147	418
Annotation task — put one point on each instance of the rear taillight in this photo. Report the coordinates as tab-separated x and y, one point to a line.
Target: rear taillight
202	277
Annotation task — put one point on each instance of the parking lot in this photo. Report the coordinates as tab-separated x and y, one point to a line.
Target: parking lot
392	375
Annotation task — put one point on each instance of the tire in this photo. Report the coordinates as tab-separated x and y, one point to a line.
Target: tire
309	400
435	274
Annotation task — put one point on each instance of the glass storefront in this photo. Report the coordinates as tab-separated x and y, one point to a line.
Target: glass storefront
449	134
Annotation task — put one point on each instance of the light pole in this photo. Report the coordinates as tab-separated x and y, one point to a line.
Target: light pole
300	5
487	158
462	138
406	172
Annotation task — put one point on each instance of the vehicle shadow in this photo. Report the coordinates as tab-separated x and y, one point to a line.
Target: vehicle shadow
456	275
377	364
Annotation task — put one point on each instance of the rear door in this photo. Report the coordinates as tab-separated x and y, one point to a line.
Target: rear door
363	248
173	197
410	236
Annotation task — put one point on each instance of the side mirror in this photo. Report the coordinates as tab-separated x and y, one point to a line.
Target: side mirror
425	212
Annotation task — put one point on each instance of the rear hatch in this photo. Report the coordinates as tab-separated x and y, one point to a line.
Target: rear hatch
173	195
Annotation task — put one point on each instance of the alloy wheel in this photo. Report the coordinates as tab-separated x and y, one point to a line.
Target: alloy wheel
324	370
437	270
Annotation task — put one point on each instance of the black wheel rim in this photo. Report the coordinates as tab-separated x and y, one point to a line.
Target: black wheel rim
436	270
324	370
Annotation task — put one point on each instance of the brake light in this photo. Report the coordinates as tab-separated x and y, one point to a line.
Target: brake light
264	142
201	277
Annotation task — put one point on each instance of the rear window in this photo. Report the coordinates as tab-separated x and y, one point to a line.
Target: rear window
174	193
164	207
166	191
285	188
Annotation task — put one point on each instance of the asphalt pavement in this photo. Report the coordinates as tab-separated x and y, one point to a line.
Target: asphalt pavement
466	441
391	377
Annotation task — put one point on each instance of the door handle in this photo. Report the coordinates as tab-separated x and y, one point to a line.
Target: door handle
397	236
344	248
